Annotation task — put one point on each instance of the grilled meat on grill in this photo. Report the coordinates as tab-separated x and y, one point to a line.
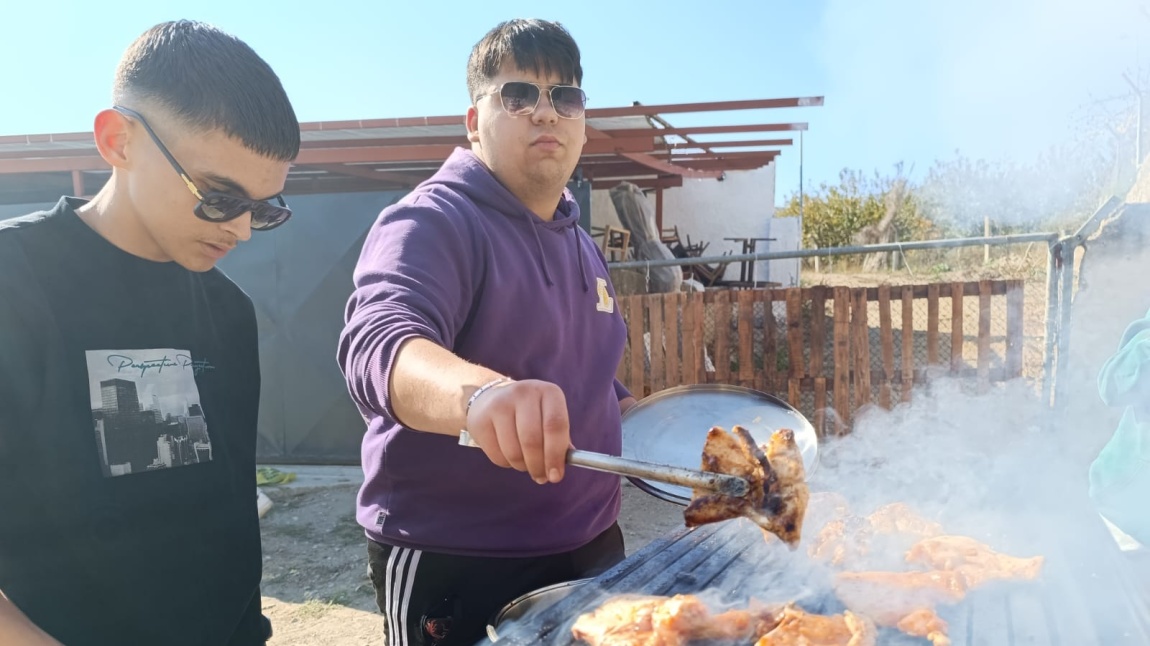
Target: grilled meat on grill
907	600
683	618
887	597
977	562
631	621
777	497
670	621
798	628
925	623
898	518
843	541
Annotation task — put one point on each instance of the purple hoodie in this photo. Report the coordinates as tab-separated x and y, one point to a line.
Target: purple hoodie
462	262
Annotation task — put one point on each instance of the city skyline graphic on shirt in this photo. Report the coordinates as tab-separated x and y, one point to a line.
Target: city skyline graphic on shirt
146	410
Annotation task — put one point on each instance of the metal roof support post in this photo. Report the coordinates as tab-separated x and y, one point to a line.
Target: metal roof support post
1053	275
1069	246
659	210
802	199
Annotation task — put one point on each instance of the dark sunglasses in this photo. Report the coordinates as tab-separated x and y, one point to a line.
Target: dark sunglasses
215	206
520	98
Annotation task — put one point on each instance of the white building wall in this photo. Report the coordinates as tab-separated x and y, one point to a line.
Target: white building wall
788	235
707	210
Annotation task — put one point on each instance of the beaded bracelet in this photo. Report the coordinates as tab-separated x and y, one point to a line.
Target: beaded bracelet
482	389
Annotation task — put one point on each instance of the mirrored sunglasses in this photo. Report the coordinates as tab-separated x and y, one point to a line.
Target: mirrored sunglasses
520	98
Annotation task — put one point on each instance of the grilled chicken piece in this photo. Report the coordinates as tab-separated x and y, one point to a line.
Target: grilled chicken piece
742	625
903	600
669	621
685	615
843	542
631	621
888	597
899	518
787	499
777	497
846	541
977	562
727	453
798	628
925	623
906	600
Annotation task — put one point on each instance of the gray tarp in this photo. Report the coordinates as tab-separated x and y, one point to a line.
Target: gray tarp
299	277
637	215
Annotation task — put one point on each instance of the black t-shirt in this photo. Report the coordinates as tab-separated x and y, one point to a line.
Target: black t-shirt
129	393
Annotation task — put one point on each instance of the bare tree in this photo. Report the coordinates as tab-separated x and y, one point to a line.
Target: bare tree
883	231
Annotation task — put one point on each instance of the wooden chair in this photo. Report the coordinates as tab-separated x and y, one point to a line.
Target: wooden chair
710	275
695	250
616	244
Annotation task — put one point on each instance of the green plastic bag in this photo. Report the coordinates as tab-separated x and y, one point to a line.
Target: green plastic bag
1120	475
272	476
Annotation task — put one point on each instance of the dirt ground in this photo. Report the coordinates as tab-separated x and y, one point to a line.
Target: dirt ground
315	585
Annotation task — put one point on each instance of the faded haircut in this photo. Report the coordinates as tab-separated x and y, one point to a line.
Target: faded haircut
540	46
209	80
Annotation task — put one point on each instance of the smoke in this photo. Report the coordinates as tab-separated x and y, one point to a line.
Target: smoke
997	466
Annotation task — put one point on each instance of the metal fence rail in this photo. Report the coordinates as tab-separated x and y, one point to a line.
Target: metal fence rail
947	243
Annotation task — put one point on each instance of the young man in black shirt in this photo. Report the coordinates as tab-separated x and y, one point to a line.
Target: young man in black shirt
129	366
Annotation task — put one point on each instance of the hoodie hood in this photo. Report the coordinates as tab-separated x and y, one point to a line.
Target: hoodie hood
464	173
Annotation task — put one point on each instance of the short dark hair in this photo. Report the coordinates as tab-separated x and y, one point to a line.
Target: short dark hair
539	46
210	80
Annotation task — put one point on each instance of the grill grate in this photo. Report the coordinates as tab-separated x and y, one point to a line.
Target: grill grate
1086	595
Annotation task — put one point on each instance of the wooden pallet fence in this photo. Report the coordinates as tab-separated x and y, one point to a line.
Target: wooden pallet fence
830	351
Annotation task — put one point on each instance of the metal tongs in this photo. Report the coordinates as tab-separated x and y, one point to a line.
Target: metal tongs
721	483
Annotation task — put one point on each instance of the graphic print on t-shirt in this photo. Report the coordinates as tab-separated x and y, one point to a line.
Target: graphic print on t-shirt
146	410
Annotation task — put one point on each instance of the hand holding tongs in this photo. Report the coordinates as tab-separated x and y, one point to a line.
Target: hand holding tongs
727	485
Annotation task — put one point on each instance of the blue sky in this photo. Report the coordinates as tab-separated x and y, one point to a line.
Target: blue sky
904	80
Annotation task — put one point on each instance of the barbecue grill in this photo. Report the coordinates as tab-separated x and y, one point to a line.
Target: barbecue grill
1087	594
1017	493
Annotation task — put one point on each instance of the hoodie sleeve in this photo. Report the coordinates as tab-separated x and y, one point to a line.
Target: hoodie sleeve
415	278
1125	378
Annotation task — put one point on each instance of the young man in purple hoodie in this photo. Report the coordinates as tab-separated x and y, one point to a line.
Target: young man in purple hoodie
479	304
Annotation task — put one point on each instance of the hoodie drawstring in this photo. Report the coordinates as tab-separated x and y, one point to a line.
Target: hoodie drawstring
579	254
572	226
542	255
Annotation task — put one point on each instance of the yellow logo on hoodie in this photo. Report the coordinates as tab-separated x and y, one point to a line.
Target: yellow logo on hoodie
606	303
